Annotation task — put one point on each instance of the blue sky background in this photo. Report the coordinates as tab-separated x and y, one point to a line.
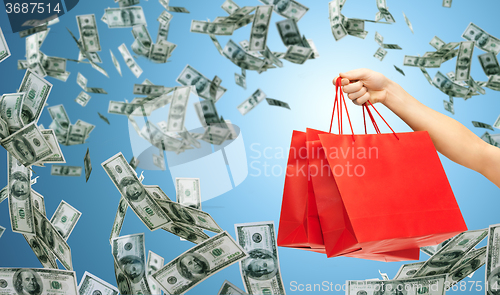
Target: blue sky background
308	90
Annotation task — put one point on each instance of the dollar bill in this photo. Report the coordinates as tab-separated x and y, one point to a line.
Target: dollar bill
128	109
260	27
2	230
493	82
240	80
103	118
19	194
76	135
382	7
45	257
37	91
489	139
189	216
126	3
241	58
275	102
422	62
246	47
473	261
481	39
165	17
177	112
190	76
28	145
119	218
204	27
391	46
4	193
298	54
124	17
159	160
429	285
154	263
448	105
207	112
22	64
82	98
188	137
408	270
198	263
239	14
447	3
32	50
4	129
380	53
126	181
59	170
408	23
260	271
57	155
288	9
58	113
61	133
229	288
150	90
34	30
140	32
60	76
115	62
492	271
482	125
289	32
87	165
10	110
89	35
159	139
489	63
379	39
38	201
64	219
250	103
229	6
437	43
475	86
214	86
188	192
41	281
399	70
449	255
54	65
464	60
129	61
447	86
129	255
162	32
92	285
497	123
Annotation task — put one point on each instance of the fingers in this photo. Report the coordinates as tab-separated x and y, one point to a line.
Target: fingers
357	74
353	87
357	94
362	99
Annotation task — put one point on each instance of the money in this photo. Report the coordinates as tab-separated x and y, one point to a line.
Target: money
37	91
289	32
384	13
430	285
45	257
165	17
481	39
124	17
34	30
464	59
150	90
298	54
59	170
10	110
198	263
474	86
130	257
239	14
447	3
54	65
87	165
275	102
41	281
422	62
19	194
240	80
82	81
492	259
128	109
162	32
203	27
76	135
214	86
190	76
161	51
288	9
188	137
188	192
103	118
155	262
399	70
140	32
126	181
57	155
2	230
482	125
437	43
251	102
65	219
119	218
82	98
4	193
408	270
449	255
159	161
241	58
89	35
408	23
447	86
380	53
129	61
473	261
159	139
379	39
448	105
189	216
216	134
487	138
260	271
260	27
32	50
38	201
229	6
207	112
229	288
28	145
92	285
177	112
391	46
489	63
116	63
497	123
126	3
493	82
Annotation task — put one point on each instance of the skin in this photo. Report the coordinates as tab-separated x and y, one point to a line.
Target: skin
452	139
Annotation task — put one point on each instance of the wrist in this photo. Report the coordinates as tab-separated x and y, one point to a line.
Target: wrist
392	89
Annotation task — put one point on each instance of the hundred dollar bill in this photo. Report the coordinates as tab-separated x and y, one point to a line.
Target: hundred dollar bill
493	82
489	63
260	271
161	51
448	105
82	98
189	216
190	76
382	7
275	102
57	155
47	234
28	145
198	263
177	112
4	129
229	288
20	201
40	281
408	270
391	46
203	27
129	61
298	54
124	17
229	6
159	161
464	60
32	50
141	33
88	32
119	218
162	32
239	14
260	27
165	17
37	91
207	112
468	265
214	86
481	39
76	135
128	109
399	70
240	80
241	58
22	64
379	39
2	230
122	281
58	113
129	254
492	272
474	86
188	137
449	255
408	23
54	65
482	125
155	262
497	123
4	193
10	110
126	3
92	285
447	3
45	257
59	170
289	32
65	219
437	43
87	165
159	139
246	47
60	76
61	133
150	90
447	86
429	285
38	201
288	9
489	139
250	103
422	62
188	192
380	53
34	30
126	181
115	62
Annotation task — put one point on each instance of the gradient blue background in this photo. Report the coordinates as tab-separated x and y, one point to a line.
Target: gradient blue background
308	90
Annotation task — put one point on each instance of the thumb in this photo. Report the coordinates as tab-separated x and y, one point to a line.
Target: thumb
357	74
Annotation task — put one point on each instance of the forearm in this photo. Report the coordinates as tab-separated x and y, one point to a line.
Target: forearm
450	138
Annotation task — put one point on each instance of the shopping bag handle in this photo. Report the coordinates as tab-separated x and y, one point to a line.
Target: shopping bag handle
365	105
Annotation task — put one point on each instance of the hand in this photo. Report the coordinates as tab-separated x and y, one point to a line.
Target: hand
362	85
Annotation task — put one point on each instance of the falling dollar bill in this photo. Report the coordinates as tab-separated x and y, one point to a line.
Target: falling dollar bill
28	145
19	194
468	265
155	262
124	17
408	270
65	219
380	53
119	218
447	3
188	192
446	85
129	61
408	23
10	110
89	35
190	76
229	288
241	58
289	33
38	201
260	27
115	62
198	263
429	285
251	102
37	91
448	105
92	285
82	98
298	54
41	281
177	112
60	170
489	63
437	43
240	80
464	60
275	102
203	27
423	62
189	216
260	271
492	272
482	125
216	134
126	181
162	32
129	255
481	39
45	257
229	6
4	48
288	9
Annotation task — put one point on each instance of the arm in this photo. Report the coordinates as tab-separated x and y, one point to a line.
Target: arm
450	138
